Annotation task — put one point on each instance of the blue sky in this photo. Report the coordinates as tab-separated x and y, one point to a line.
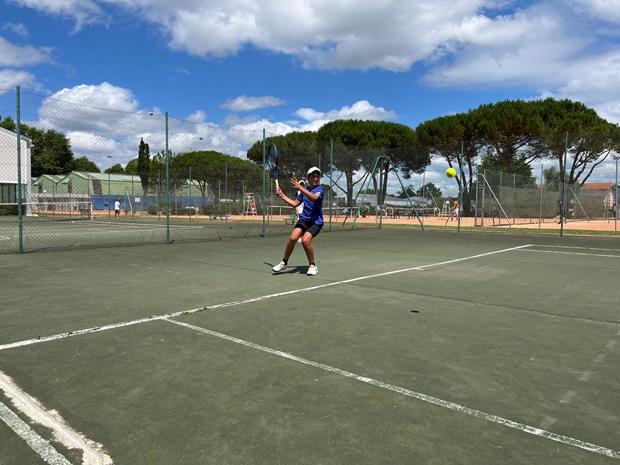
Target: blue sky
232	67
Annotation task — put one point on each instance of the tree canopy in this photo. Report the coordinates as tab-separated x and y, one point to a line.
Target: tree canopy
358	143
208	168
115	169
84	164
143	167
298	152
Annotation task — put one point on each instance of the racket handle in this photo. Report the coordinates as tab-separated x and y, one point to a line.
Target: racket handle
277	185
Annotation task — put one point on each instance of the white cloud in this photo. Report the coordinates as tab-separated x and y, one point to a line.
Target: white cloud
606	10
104	95
245	103
197	117
10	78
361	109
19	29
14	55
105	123
335	34
541	50
82	12
542	46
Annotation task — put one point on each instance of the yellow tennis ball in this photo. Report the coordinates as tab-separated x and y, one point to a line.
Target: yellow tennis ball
451	172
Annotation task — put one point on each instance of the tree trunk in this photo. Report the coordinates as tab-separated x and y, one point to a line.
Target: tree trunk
349	176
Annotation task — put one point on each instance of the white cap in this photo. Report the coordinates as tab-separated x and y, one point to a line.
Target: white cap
313	169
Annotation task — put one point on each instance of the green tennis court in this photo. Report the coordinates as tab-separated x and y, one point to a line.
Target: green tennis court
407	347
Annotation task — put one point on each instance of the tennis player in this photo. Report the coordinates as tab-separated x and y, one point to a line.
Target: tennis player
454	212
310	221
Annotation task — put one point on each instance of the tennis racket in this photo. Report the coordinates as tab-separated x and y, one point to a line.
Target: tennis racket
273	156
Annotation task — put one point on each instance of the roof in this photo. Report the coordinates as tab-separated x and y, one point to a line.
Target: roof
106	176
51	177
597	186
14	134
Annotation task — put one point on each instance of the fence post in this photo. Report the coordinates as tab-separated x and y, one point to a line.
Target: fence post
167	160
424	197
18	138
109	195
563	181
191	199
484	191
331	180
616	199
460	184
542	188
514	198
226	191
264	194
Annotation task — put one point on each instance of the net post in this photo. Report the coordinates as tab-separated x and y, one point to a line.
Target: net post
18	139
167	162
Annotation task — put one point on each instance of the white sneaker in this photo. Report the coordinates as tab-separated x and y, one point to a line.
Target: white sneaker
299	240
312	270
279	267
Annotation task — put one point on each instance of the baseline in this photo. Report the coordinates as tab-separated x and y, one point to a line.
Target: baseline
42	448
583	254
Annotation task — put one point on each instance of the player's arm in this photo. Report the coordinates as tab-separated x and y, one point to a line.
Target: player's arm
311	196
292	202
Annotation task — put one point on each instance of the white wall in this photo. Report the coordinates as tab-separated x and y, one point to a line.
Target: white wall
8	160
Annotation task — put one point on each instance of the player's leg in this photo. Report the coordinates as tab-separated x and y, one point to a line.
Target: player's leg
298	230
298	240
306	241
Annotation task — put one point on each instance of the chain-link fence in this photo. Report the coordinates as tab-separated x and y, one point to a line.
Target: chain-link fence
171	179
544	195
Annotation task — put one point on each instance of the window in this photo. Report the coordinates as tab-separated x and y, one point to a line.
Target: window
8	193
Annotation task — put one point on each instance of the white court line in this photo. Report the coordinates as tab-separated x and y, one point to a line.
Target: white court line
43	448
574	247
416	395
97	329
571	253
92	452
